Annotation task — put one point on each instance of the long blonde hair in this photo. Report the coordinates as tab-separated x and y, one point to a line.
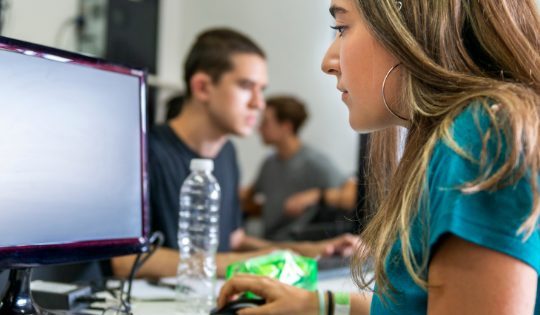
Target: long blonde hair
452	52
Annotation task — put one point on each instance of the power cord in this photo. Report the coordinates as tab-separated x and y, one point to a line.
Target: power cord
154	242
77	22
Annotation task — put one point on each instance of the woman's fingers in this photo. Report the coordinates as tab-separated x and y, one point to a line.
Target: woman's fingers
265	309
261	286
280	298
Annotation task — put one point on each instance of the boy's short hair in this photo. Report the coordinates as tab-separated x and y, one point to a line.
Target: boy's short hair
212	51
288	108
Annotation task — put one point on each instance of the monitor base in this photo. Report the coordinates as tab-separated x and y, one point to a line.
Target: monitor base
17	299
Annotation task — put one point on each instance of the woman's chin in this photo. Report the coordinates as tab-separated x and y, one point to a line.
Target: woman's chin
358	126
362	126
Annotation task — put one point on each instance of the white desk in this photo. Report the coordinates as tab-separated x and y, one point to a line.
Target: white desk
146	306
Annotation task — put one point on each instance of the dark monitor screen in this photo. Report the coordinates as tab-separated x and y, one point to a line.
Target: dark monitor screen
72	157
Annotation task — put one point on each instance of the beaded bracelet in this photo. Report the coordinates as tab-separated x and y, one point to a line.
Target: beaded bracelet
342	303
330	302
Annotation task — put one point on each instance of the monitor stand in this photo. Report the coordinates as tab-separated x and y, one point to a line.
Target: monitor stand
17	300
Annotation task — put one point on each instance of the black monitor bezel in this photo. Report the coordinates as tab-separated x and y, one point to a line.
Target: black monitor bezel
74	252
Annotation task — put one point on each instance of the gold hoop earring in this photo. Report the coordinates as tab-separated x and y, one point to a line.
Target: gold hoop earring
384	98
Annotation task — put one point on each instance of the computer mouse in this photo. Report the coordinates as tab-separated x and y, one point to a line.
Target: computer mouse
238	304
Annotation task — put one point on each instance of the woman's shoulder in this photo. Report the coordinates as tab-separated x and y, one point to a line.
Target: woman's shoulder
474	121
474	145
479	130
462	201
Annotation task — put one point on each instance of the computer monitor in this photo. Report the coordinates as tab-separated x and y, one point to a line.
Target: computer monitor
73	181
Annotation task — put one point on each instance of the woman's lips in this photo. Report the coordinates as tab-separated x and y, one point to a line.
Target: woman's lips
344	95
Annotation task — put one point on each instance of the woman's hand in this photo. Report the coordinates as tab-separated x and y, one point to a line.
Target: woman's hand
280	298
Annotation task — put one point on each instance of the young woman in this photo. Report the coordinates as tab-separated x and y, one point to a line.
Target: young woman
457	223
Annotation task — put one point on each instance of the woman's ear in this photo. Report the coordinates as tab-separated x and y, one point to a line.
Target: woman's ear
200	84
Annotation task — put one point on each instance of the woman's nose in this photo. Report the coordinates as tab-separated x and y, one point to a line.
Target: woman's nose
330	62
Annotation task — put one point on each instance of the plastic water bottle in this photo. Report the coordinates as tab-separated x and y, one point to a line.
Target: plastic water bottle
198	237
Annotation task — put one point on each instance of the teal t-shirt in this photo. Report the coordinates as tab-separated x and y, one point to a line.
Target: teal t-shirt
489	219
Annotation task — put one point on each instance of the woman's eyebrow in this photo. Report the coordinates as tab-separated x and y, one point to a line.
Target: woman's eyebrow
334	9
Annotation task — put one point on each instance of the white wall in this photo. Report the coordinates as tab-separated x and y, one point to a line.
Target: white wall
295	35
44	22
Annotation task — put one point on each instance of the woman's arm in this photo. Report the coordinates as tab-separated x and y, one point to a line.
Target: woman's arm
361	303
465	278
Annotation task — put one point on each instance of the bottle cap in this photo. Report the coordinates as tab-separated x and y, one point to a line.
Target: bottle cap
201	165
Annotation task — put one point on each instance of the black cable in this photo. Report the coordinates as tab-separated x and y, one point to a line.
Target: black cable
331	305
134	269
60	32
154	242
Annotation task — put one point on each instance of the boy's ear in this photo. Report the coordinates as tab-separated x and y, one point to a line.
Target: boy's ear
200	84
289	125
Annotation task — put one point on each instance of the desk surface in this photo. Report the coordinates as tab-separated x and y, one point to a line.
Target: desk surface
343	283
154	303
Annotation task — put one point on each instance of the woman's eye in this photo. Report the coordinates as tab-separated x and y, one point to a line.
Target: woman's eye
339	28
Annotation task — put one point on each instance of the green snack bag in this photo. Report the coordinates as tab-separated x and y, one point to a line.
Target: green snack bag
282	265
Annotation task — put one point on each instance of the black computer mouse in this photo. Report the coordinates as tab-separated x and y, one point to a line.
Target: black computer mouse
238	304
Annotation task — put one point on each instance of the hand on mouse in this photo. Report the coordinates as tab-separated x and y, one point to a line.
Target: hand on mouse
280	298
